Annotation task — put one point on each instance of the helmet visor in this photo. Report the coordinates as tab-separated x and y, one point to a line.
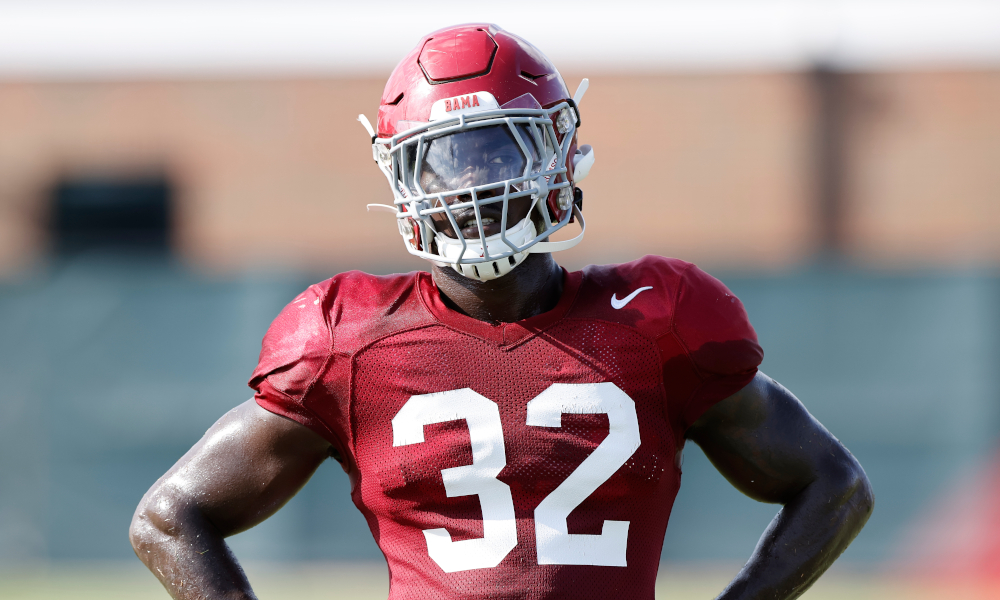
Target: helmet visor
478	156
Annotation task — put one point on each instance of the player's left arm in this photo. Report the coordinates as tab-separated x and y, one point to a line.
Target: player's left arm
770	448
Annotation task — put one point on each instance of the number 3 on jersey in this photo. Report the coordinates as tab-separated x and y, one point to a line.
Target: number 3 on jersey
555	545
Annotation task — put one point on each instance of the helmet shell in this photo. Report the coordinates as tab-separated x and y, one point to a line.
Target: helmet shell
461	60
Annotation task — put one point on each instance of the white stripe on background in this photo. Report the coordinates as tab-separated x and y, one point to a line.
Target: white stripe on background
137	38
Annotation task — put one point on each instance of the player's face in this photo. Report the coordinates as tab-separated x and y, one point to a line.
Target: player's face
478	157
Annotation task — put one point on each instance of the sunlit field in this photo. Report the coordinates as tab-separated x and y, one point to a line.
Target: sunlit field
365	581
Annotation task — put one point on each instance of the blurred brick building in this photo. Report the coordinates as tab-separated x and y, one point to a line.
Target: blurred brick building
731	170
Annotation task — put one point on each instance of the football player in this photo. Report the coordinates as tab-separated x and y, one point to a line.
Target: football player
510	429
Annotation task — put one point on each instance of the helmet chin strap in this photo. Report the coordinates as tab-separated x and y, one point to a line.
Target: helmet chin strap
542	247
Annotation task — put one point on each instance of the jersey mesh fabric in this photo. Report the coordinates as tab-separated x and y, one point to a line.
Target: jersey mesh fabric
671	369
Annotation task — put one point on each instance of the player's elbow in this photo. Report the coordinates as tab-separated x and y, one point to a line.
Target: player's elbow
862	496
848	486
156	520
139	534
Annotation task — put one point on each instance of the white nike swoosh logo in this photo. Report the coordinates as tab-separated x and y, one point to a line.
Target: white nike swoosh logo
620	304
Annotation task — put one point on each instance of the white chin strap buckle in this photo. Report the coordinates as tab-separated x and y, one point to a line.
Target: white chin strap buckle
583	160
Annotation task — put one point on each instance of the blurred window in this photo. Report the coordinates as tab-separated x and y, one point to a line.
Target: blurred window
112	214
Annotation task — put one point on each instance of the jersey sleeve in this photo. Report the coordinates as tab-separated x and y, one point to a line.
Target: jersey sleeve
713	328
293	355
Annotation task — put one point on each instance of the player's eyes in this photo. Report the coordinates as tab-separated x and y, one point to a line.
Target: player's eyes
502	159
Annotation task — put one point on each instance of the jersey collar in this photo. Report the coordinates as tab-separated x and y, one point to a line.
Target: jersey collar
503	334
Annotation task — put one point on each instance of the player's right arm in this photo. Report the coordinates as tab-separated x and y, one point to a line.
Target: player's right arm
247	465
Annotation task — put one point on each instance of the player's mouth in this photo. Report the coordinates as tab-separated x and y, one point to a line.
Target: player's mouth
470	230
491	216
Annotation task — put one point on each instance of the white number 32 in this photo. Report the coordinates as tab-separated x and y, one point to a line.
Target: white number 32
555	545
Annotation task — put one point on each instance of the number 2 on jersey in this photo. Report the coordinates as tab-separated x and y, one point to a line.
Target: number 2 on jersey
554	544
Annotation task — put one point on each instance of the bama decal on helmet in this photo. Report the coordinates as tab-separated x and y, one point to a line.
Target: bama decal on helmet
449	108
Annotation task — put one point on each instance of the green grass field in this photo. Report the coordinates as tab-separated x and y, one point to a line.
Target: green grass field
366	581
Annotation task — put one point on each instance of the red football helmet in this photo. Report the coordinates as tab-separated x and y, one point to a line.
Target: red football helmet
475	129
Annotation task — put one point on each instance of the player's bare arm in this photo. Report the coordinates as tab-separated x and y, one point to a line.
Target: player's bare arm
770	448
243	470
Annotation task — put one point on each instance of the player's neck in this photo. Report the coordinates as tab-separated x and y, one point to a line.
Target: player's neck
532	288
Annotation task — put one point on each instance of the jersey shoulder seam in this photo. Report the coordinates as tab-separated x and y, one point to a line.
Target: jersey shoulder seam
329	348
383	337
316	417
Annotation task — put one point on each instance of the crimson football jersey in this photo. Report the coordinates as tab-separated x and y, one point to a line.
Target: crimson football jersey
534	459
